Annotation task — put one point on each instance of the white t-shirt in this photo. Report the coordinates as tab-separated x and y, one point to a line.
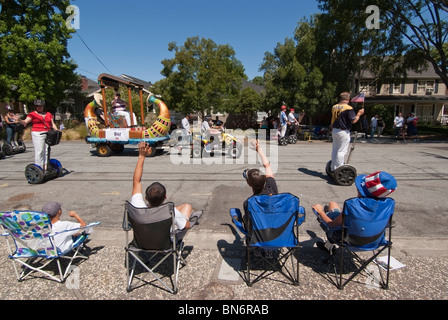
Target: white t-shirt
186	125
204	127
399	121
64	241
138	202
292	118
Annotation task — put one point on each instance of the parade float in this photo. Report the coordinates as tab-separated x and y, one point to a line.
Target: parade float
110	132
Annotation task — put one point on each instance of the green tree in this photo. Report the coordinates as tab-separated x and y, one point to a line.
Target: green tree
34	60
423	24
201	76
348	47
250	101
292	74
409	34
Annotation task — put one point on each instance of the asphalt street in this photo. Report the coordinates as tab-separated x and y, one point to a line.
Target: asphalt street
97	187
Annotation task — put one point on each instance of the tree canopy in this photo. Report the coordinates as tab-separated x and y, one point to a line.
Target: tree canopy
34	59
201	76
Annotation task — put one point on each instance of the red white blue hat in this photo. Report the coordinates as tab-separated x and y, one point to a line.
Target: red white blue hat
376	185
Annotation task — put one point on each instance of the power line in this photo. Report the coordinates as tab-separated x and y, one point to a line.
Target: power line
92	52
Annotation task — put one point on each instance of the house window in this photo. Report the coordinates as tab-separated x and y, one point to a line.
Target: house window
424	86
368	87
396	88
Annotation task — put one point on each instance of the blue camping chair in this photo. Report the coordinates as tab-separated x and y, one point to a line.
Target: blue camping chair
366	227
272	223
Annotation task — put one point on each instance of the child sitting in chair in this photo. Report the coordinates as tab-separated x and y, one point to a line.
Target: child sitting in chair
63	241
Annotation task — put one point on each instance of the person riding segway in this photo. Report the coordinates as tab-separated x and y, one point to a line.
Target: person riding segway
44	135
343	117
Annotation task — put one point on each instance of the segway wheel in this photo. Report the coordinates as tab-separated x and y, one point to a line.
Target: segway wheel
292	139
328	169
34	174
283	141
345	175
7	149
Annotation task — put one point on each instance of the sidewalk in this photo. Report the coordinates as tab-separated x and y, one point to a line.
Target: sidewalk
213	262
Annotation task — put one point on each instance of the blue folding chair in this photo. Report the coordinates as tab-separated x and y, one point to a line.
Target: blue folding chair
367	224
272	223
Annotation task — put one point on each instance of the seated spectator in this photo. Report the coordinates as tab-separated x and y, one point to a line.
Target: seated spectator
63	241
376	185
119	108
156	193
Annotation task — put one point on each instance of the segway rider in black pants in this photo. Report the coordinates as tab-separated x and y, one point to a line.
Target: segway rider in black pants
342	119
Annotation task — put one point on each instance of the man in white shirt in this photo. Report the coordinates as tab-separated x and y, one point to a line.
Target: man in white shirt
185	126
293	123
156	193
398	124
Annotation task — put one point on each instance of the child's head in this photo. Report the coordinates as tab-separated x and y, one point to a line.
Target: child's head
52	209
256	180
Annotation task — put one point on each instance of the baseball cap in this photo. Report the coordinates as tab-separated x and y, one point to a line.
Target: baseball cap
283	107
292	110
51	208
376	185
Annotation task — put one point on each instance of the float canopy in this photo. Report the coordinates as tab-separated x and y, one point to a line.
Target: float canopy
114	81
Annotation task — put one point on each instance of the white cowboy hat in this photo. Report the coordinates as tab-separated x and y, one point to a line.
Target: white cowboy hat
98	97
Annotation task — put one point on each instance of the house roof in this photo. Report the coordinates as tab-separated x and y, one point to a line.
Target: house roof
429	73
430	98
257	88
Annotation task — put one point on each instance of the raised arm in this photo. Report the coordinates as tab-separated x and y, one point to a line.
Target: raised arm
143	150
264	160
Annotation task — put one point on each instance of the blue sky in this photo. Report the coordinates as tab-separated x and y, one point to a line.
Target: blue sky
131	36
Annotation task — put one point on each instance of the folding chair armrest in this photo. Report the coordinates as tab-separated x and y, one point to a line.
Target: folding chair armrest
301	215
74	229
319	219
237	219
194	218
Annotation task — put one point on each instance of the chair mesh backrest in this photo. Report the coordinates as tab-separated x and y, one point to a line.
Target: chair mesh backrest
272	220
151	226
30	231
366	220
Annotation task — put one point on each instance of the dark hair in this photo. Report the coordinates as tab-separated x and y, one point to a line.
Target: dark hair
256	180
155	194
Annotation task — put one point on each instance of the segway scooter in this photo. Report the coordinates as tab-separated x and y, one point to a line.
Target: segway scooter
344	175
17	144
34	173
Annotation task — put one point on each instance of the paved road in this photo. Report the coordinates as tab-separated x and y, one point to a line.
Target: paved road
97	187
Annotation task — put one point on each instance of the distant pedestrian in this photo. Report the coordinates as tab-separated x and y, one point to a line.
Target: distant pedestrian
373	125
398	124
412	122
365	126
380	127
